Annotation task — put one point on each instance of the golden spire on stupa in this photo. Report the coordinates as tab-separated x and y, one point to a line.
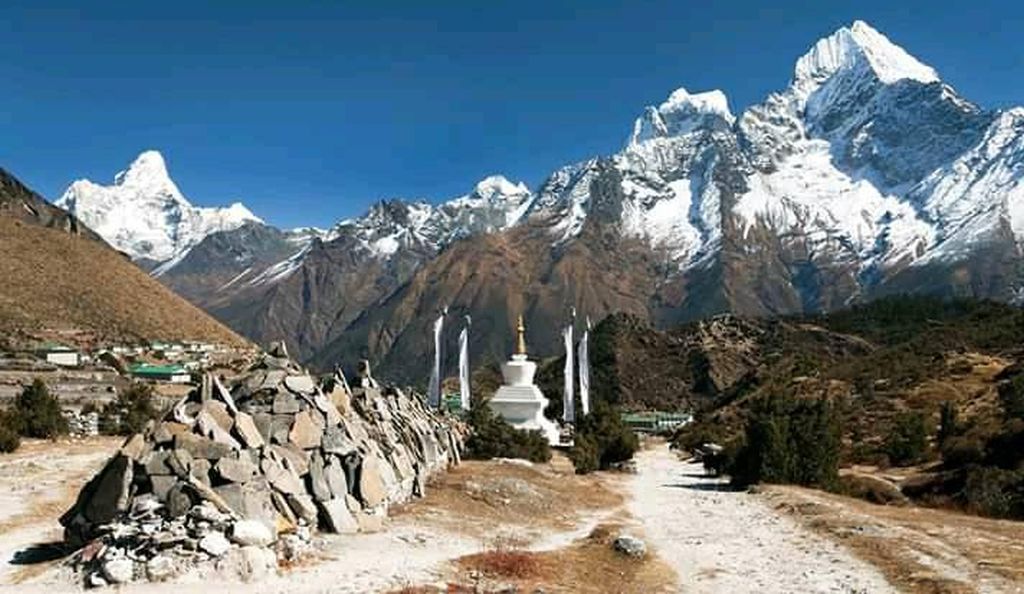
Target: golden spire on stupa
520	336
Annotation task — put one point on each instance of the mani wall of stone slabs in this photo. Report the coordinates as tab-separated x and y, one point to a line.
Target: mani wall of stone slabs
260	465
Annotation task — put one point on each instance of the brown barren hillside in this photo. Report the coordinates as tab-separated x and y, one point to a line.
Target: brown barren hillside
50	278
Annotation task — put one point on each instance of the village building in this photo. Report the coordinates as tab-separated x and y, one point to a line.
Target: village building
175	374
59	354
656	421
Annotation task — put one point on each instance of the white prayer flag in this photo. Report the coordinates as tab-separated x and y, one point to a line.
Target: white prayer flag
464	365
584	357
568	412
434	389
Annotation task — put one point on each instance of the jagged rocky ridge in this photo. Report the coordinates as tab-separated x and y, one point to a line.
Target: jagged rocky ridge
867	175
19	202
238	478
145	215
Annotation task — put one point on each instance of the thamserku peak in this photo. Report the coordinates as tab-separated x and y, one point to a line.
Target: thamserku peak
860	43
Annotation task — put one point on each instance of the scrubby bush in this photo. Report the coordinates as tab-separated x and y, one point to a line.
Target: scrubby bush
602	439
949	422
1011	396
1005	449
130	412
993	460
584	455
962	451
717	463
9	438
995	492
493	437
692	435
789	440
907	442
37	413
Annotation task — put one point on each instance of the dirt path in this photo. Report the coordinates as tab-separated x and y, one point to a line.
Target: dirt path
467	510
920	550
37	484
725	541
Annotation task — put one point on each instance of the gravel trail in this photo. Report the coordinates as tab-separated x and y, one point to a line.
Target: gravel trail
722	541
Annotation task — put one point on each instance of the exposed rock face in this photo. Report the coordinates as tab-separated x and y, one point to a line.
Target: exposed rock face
19	202
270	457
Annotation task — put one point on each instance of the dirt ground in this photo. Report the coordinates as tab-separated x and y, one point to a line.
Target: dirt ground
490	526
561	521
722	541
37	484
479	495
541	526
919	550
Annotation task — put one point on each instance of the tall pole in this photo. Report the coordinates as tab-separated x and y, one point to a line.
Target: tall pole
464	379
568	403
584	357
434	389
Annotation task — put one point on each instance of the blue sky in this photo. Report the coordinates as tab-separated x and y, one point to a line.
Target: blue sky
308	111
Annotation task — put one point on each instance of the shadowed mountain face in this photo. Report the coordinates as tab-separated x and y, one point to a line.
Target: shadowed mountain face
18	202
58	274
865	176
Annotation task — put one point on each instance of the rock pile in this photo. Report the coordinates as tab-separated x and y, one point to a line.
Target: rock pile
243	476
630	546
82	424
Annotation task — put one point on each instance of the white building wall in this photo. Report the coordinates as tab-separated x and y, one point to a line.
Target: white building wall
63	359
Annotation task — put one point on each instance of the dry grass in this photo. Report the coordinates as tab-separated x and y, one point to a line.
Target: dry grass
589	566
504	563
53	279
969	380
919	550
508	506
478	497
449	589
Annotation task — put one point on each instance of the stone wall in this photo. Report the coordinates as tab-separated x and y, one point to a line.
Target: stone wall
261	464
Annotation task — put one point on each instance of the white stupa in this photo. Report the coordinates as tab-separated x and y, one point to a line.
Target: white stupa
518	400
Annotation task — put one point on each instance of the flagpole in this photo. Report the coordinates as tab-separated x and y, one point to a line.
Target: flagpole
464	375
584	363
568	403
434	389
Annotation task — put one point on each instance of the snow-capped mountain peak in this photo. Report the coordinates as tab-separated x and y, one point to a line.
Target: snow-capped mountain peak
144	214
855	46
713	101
498	186
681	113
148	174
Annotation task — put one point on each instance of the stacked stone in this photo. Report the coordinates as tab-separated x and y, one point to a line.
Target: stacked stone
233	472
82	425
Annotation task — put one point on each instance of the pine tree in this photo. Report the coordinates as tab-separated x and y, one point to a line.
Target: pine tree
948	421
38	413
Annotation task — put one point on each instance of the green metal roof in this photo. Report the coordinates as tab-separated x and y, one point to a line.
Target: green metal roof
149	369
654	416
